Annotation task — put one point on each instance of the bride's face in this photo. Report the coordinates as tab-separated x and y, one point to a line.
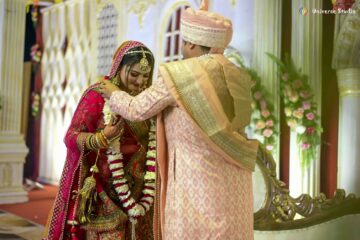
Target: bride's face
133	78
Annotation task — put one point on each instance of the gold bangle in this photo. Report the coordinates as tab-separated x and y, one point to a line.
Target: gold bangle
104	137
98	144
88	142
102	140
92	142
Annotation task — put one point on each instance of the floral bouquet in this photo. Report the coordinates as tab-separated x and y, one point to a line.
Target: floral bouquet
263	118
300	108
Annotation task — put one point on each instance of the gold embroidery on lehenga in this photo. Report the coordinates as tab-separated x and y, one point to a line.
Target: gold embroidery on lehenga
110	216
109	220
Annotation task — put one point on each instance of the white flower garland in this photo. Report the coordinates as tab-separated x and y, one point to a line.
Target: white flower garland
116	165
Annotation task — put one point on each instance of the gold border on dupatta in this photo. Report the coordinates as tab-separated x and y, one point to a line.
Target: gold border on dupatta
199	98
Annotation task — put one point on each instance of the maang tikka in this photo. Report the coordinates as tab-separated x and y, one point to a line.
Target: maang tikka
144	63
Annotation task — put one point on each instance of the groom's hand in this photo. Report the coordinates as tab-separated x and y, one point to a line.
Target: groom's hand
106	88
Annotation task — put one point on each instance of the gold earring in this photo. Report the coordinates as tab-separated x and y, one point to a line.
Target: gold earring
116	82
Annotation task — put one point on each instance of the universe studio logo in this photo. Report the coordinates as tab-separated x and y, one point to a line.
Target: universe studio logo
303	11
333	11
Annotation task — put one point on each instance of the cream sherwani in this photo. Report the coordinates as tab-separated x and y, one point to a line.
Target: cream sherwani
207	197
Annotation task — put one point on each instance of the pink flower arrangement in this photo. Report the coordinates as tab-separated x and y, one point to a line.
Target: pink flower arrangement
267	132
265	113
310	116
304	94
310	130
35	53
263	120
269	123
299	113
299	108
306	105
257	95
297	84
263	104
305	145
293	97
269	147
260	124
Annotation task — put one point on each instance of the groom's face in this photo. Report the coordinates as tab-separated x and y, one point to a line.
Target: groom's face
186	49
190	50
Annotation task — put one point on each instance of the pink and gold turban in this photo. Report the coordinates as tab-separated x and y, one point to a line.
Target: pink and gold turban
205	28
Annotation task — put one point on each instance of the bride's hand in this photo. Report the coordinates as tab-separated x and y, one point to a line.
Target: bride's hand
115	128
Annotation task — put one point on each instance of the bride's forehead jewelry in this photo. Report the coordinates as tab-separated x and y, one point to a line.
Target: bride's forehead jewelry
144	63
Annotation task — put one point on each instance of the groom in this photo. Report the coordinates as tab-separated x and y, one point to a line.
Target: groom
204	160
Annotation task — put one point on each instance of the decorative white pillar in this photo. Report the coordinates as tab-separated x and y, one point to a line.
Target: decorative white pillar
349	134
347	64
12	145
267	39
306	51
2	15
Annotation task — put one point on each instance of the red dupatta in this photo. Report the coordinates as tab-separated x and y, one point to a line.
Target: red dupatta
86	118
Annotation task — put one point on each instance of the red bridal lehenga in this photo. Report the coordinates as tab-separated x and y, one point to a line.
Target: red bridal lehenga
108	218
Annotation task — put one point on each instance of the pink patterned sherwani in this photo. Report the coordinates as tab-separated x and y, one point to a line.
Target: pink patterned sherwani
206	197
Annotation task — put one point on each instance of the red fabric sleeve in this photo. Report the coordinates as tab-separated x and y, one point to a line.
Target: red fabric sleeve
86	118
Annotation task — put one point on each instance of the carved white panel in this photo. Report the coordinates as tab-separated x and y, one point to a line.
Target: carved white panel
65	74
107	23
